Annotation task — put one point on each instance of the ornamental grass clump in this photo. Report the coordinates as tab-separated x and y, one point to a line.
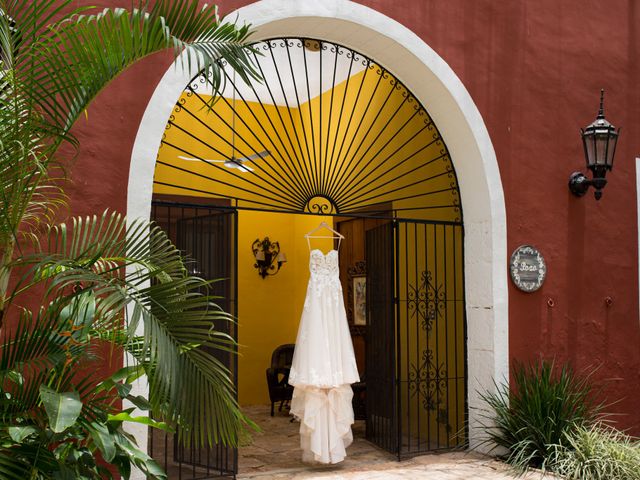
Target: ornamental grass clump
598	452
541	407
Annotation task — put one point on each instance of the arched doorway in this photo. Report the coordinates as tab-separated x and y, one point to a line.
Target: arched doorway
329	132
433	84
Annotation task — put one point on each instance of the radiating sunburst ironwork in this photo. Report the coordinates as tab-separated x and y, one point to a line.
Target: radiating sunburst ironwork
328	131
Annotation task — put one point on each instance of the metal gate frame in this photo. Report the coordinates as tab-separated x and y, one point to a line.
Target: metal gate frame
417	304
178	460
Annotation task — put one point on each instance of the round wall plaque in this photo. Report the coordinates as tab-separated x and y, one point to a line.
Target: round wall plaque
528	269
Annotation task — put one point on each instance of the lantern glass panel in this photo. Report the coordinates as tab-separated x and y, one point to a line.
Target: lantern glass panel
613	140
602	142
590	149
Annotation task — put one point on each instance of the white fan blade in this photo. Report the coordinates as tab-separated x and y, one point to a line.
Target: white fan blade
233	163
263	154
237	164
200	159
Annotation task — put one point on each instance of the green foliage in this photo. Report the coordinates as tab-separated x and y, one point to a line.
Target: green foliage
101	280
598	452
537	411
63	409
66	445
97	282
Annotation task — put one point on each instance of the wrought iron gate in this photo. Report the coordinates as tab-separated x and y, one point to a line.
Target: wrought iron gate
380	353
207	236
416	380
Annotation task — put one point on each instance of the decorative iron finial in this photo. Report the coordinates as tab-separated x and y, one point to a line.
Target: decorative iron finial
601	111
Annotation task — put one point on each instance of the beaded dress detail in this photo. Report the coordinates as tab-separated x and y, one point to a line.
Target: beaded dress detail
323	366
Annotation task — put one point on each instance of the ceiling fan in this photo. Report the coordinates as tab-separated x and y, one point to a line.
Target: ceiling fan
232	162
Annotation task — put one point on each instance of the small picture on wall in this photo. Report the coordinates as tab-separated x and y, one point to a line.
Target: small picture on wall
359	289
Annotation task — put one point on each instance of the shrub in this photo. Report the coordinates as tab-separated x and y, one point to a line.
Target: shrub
598	452
537	411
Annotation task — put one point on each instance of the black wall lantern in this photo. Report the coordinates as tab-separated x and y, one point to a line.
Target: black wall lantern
599	140
268	256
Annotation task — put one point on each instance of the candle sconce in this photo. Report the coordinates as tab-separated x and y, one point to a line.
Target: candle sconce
268	256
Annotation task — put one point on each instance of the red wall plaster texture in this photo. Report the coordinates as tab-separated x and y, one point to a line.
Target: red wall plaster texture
534	70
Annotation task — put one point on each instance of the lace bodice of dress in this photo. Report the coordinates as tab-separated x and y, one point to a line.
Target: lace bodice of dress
321	264
325	275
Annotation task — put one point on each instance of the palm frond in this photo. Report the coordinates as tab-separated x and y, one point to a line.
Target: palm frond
190	26
180	345
80	54
101	279
43	349
140	272
14	466
33	345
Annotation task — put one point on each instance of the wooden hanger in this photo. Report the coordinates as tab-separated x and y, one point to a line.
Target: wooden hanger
337	235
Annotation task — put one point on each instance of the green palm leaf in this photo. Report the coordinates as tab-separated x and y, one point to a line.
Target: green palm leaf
142	273
55	60
13	466
80	54
97	280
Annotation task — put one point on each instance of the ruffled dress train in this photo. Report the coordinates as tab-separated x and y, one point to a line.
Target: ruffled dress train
323	366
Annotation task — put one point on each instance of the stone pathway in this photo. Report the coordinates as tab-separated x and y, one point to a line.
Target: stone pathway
275	453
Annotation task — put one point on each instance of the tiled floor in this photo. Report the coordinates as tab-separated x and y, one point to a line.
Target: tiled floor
275	453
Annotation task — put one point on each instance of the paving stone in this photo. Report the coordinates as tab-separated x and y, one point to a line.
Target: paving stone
275	453
252	463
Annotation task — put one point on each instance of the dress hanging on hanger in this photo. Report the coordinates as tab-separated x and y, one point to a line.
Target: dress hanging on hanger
324	365
336	235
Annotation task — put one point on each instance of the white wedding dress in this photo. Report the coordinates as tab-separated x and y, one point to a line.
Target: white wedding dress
323	366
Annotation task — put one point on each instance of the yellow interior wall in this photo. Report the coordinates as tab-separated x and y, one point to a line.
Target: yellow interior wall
269	309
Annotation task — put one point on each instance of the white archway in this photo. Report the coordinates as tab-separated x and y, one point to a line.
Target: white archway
437	87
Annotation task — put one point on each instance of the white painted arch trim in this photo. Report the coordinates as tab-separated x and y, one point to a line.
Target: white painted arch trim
437	87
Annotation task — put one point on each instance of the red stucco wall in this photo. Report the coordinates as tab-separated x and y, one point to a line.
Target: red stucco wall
534	69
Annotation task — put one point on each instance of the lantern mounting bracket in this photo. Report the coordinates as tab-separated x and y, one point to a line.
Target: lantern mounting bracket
579	184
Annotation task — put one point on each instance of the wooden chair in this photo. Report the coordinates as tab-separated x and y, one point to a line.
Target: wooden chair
359	401
278	376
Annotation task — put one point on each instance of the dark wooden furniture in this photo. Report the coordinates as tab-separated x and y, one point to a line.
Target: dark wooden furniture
359	399
278	376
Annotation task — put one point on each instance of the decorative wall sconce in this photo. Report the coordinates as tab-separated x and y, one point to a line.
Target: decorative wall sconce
599	140
268	256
